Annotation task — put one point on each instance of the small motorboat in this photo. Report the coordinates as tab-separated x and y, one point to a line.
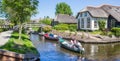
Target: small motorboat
51	37
67	45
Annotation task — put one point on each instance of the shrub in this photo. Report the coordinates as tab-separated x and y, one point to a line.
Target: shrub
47	28
46	21
116	31
1	29
72	27
101	24
61	27
110	34
104	32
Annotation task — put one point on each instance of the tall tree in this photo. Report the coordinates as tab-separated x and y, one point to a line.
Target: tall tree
19	11
63	8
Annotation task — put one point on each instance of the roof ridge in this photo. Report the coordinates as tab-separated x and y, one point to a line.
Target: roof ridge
101	6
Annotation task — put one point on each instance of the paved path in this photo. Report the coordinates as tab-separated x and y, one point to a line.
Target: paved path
4	37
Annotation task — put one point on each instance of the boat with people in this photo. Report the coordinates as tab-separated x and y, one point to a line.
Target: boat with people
75	47
51	37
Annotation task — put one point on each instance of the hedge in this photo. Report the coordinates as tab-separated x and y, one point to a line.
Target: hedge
116	31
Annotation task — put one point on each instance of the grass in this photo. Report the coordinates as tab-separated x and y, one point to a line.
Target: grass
35	28
20	46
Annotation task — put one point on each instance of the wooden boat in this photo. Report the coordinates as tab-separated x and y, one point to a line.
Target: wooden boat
47	36
67	45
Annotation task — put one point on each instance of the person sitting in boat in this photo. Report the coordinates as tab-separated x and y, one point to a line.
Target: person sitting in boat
72	43
75	43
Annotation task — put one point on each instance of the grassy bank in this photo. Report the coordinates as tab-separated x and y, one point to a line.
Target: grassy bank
20	46
35	28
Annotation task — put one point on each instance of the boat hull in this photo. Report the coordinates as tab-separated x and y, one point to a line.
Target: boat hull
68	48
67	45
51	38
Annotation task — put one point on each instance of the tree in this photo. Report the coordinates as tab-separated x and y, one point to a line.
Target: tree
19	11
102	24
63	8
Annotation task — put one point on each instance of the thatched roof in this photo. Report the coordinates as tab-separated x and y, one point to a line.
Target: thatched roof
64	18
103	11
113	11
95	12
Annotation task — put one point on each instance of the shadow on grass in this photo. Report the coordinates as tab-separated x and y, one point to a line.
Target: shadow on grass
15	35
22	37
20	46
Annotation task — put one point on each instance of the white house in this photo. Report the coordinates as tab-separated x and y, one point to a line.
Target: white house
88	17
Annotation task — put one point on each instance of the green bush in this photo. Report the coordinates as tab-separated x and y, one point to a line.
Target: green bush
47	28
46	21
1	29
105	32
110	34
101	24
61	27
116	31
72	27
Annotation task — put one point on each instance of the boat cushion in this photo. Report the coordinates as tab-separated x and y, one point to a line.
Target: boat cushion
51	35
61	40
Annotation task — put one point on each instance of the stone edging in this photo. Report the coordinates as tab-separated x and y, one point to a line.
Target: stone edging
17	55
11	54
86	39
95	42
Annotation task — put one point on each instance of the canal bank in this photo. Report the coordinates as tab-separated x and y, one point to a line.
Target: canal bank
15	49
87	37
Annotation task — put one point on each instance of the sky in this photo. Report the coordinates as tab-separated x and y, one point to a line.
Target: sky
47	7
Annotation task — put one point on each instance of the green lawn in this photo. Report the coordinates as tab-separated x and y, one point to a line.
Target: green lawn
19	46
35	28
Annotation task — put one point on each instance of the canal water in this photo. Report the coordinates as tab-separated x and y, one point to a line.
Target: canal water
51	51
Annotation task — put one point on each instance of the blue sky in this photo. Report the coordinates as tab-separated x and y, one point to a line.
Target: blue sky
47	7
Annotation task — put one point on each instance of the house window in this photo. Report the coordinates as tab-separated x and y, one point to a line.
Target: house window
82	23
80	14
95	24
88	22
96	19
85	14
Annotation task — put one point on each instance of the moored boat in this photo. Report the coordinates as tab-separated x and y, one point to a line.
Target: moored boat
67	45
51	37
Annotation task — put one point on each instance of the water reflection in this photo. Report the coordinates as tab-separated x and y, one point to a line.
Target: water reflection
50	51
101	52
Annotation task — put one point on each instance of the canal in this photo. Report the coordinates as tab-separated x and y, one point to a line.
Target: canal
51	51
